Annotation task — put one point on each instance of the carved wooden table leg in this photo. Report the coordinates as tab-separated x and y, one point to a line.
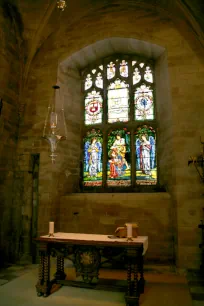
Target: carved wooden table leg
129	279
46	284
43	285
132	295
135	288
40	276
141	283
60	275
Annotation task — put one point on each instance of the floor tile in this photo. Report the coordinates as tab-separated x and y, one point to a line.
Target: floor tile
3	281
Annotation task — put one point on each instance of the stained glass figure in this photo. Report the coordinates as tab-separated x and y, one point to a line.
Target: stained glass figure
144	106
110	70
92	170
88	82
118	168
93	108
99	80
148	76
136	76
124	69
145	148
94	71
141	65
118	102
133	63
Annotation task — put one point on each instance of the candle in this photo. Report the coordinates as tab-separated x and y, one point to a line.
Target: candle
129	230
51	228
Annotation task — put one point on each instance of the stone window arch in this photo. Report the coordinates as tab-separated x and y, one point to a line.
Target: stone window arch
72	74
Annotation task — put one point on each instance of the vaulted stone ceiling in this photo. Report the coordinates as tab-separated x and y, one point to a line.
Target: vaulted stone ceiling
40	18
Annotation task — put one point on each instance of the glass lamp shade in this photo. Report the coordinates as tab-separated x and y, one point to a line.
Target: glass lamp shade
55	126
53	121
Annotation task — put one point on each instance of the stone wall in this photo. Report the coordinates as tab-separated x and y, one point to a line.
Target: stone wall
102	214
10	77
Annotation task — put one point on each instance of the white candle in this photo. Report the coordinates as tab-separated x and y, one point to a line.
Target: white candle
129	230
51	227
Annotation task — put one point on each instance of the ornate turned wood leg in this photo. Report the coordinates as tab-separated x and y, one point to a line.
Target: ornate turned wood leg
129	279
60	275
46	283
132	295
135	288
141	283
40	276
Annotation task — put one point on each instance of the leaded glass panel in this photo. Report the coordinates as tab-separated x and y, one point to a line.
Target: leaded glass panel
124	69
99	80
93	167
110	70
145	148
136	76
143	99
88	82
148	76
118	167
118	102
93	108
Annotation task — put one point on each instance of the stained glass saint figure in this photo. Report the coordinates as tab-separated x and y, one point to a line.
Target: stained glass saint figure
144	106
93	159
124	69
99	80
93	108
148	75
118	173
110	70
88	82
145	143
136	76
118	102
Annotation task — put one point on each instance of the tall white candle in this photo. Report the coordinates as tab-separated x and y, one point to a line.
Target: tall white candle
51	227
129	230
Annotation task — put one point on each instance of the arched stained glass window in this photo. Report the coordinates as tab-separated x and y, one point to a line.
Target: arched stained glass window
119	158
93	164
145	147
119	143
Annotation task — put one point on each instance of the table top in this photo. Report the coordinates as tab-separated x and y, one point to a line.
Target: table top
95	239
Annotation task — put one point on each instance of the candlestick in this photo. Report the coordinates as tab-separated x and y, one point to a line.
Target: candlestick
129	231
51	229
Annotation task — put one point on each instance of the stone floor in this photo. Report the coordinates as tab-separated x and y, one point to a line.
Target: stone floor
154	274
196	287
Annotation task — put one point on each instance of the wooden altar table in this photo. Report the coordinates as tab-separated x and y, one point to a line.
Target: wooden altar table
87	250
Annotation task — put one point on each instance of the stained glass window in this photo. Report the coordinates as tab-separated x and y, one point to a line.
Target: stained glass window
99	80
136	76
119	148
124	69
118	169
88	82
110	70
93	108
148	74
93	167
144	106
118	102
145	148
